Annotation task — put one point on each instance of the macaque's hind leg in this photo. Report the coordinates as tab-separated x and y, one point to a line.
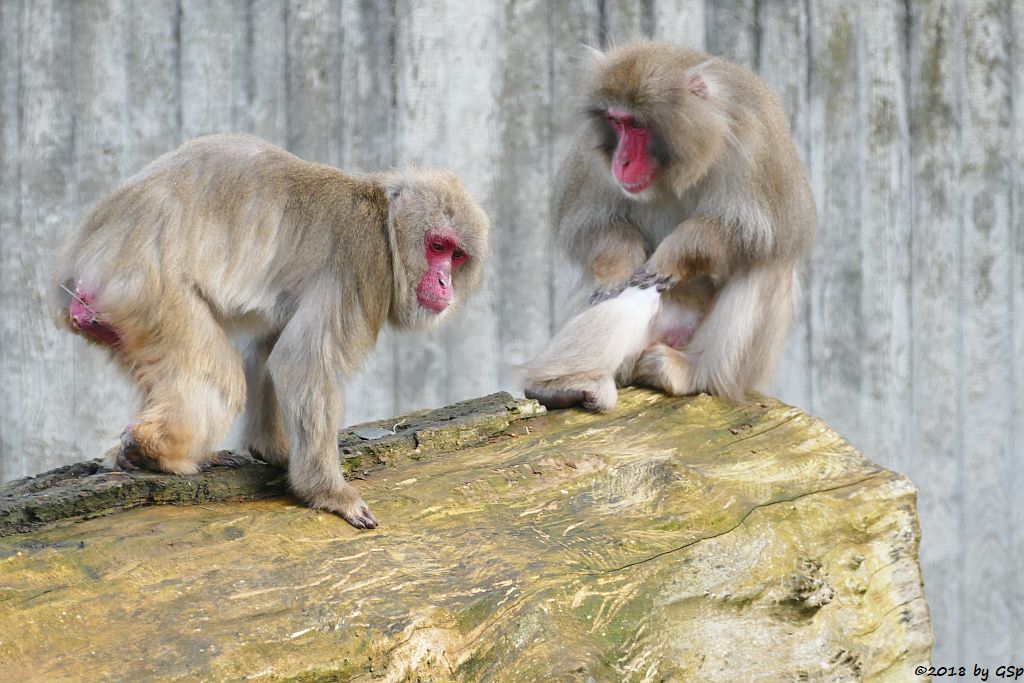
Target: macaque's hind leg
662	367
579	364
192	383
263	433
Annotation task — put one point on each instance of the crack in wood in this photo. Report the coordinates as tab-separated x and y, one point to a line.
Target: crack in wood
737	525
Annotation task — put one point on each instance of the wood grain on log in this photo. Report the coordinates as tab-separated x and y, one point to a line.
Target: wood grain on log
88	489
672	539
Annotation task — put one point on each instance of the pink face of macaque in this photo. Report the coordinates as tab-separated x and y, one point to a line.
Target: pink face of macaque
444	256
632	164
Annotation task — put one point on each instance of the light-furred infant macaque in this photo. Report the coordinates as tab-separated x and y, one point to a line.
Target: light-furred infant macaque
685	208
230	234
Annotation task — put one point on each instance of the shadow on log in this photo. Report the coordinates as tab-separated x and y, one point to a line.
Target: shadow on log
672	539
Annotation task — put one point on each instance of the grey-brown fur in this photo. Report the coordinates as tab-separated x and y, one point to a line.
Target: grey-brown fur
727	220
229	235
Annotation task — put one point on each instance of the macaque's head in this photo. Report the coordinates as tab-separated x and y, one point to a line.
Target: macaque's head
439	238
657	117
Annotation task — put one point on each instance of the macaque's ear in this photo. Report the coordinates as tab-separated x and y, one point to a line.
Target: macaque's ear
696	84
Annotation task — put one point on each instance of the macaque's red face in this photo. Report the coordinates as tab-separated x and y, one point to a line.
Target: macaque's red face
444	256
632	163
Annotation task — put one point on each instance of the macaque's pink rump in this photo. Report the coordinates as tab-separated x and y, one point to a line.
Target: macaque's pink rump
84	318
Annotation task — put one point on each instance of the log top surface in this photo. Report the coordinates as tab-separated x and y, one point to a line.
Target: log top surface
672	539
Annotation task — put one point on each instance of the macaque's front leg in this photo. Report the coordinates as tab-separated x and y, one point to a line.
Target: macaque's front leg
618	252
303	369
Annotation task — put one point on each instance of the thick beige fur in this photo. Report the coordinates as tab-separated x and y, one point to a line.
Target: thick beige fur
728	220
231	235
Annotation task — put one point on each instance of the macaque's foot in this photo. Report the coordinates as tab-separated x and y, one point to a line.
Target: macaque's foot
131	456
122	462
227	459
360	517
138	451
662	367
555	399
348	504
566	392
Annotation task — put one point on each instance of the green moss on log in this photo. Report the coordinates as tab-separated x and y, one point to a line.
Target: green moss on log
88	489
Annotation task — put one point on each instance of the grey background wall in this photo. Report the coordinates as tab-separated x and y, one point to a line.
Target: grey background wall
908	113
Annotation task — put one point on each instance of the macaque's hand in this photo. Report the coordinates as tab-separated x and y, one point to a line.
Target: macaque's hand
695	249
604	293
643	278
674	259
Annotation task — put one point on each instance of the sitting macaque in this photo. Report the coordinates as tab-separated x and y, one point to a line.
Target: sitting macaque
685	208
231	235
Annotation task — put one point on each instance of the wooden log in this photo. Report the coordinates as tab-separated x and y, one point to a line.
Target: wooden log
89	489
671	539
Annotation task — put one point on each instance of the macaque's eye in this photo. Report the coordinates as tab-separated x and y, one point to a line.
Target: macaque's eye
458	255
633	123
438	247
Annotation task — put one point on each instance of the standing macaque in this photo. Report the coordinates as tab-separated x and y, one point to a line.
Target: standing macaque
685	209
229	234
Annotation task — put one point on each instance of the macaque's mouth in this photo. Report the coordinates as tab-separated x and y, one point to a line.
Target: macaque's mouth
432	304
637	186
